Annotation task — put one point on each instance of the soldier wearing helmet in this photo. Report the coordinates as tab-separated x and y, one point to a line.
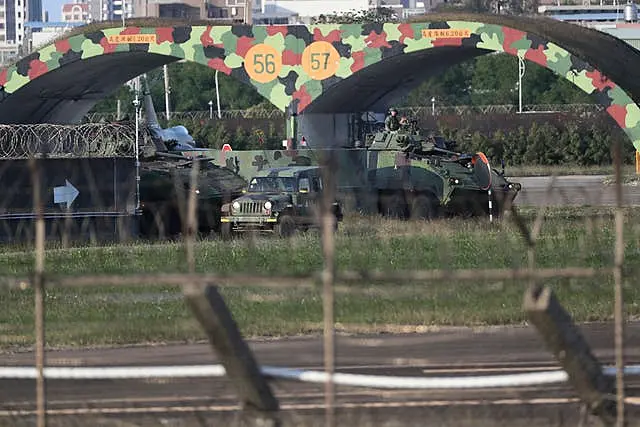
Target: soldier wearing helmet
391	123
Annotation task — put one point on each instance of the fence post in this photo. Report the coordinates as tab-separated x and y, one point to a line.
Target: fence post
39	295
253	389
563	338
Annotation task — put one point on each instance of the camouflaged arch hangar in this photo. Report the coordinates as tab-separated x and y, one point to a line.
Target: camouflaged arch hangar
293	66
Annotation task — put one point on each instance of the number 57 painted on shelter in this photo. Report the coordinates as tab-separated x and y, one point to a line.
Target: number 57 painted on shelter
320	60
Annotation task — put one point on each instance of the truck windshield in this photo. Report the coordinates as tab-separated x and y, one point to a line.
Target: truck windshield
272	184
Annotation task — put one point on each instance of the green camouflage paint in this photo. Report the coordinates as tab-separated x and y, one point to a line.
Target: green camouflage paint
292	66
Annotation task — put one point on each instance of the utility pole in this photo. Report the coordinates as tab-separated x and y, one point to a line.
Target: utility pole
167	90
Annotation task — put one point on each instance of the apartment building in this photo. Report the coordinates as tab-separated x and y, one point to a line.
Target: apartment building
13	15
233	11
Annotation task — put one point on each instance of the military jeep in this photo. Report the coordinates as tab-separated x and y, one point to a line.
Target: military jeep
278	200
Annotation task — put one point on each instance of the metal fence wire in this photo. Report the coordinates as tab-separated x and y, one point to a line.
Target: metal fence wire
77	272
419	110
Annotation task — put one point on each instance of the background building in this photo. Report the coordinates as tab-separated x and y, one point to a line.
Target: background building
111	10
75	12
235	11
301	11
13	15
35	11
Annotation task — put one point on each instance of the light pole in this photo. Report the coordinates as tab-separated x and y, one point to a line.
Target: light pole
433	105
521	69
167	90
218	96
136	103
210	110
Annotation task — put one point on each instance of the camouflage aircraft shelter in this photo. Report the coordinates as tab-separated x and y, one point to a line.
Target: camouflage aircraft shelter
316	68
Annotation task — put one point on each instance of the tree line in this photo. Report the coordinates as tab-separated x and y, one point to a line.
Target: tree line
546	144
575	143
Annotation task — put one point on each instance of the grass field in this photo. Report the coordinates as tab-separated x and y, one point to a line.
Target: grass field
109	315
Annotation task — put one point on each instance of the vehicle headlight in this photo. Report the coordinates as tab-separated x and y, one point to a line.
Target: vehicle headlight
236	205
267	205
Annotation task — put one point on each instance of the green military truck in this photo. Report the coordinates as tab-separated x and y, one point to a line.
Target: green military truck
279	200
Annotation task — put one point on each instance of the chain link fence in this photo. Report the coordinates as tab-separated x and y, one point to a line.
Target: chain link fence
419	279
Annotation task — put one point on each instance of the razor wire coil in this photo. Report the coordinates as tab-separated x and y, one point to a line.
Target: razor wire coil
84	140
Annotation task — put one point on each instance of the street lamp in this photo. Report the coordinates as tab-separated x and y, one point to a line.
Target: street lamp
218	96
433	105
136	104
210	110
521	69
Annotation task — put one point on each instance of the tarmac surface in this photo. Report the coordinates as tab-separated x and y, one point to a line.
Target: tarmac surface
574	190
446	352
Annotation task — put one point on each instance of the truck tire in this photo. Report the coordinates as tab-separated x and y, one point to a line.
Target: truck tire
225	231
286	226
424	207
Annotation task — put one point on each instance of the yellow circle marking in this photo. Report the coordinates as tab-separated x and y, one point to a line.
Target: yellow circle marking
263	63
320	60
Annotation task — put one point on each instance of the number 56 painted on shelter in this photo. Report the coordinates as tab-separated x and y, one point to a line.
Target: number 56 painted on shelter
263	63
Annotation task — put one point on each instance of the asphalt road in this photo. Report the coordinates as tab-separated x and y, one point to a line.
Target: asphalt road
575	190
447	352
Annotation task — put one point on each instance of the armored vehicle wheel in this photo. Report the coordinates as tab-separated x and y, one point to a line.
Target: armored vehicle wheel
424	207
225	231
392	205
285	227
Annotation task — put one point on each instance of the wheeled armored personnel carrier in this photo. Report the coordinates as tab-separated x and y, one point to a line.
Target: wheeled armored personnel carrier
418	176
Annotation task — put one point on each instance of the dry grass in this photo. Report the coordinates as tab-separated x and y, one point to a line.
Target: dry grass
145	314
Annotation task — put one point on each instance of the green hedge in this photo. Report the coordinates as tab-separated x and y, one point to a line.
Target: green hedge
545	144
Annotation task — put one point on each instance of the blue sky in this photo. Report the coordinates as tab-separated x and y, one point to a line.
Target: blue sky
54	7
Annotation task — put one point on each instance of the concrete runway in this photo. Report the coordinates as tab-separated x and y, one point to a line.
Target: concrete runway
575	190
448	352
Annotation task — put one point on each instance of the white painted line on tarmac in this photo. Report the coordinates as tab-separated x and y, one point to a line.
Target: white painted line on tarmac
474	370
295	407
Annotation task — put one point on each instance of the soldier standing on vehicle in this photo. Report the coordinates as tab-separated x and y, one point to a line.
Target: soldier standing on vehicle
391	123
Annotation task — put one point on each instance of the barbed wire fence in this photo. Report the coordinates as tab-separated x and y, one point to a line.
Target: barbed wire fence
264	113
331	279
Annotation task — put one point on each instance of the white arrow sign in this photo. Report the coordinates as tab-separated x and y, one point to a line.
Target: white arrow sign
65	194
